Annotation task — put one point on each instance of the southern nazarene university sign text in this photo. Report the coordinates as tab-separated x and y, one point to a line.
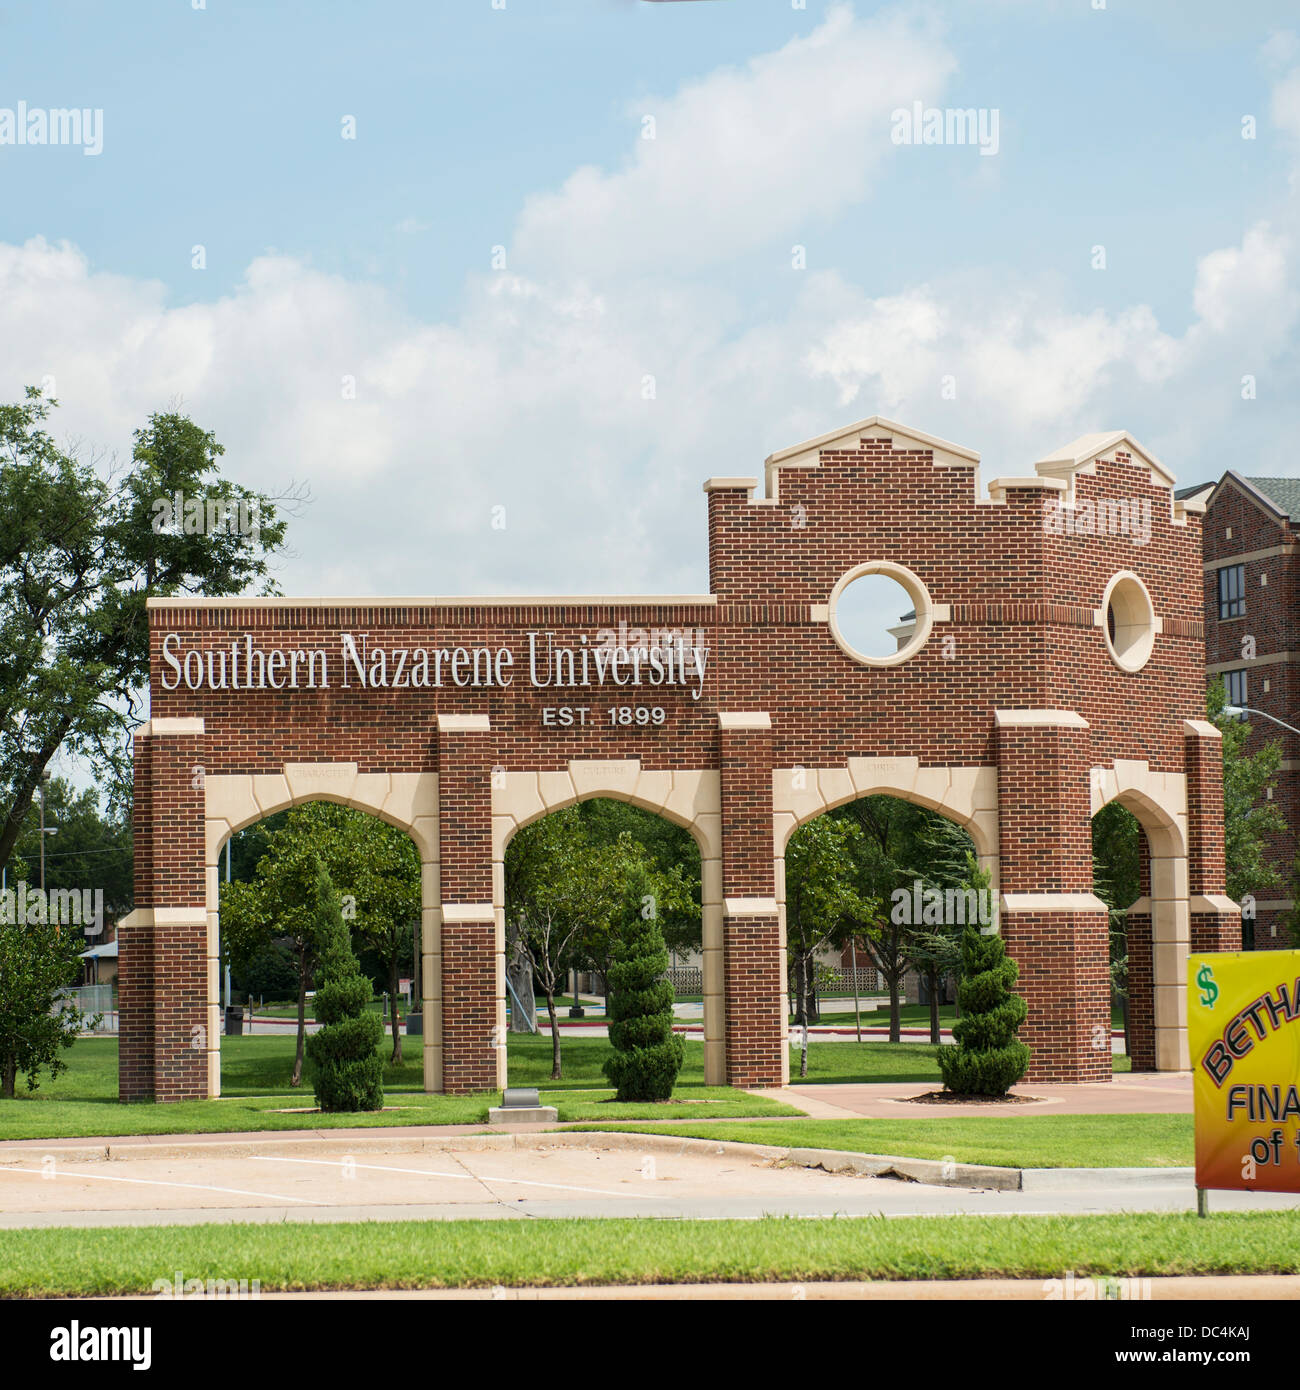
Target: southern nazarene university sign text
610	657
1041	672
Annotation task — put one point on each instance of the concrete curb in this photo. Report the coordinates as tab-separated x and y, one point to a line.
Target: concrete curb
921	1170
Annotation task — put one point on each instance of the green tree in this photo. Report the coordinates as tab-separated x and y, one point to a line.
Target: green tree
92	849
79	557
277	904
948	864
37	963
1116	880
822	904
1249	819
347	1071
647	1053
887	858
986	1058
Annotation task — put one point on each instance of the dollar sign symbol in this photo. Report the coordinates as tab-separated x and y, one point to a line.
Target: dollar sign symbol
1205	982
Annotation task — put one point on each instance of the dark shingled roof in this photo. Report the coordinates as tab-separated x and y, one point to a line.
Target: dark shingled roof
1183	492
1284	493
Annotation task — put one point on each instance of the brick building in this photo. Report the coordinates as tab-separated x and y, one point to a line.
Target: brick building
1251	543
1054	662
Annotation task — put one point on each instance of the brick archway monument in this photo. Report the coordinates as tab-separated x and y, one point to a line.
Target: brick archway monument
1050	660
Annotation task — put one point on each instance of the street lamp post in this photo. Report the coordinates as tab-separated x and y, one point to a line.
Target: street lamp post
1247	709
52	830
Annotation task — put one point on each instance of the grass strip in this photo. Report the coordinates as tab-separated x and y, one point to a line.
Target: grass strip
1011	1141
567	1253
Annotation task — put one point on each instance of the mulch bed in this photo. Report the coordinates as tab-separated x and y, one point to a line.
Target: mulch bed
948	1098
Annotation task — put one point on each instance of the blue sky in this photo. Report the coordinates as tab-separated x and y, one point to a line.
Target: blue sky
524	387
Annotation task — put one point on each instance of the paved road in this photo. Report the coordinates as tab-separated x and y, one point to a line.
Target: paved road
316	1180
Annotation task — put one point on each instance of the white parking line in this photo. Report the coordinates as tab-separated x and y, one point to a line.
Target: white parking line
162	1182
464	1177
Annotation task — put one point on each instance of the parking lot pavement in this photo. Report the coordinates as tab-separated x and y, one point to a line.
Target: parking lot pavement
320	1181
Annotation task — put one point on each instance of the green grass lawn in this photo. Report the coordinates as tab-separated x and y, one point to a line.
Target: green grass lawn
255	1085
909	1015
479	1254
1013	1141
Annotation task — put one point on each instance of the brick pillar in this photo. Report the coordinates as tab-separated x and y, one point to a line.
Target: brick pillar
1054	927
1215	918
167	1027
1141	967
473	945
135	982
753	939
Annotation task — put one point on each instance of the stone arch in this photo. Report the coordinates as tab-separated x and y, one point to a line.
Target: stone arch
233	801
1159	922
967	795
691	799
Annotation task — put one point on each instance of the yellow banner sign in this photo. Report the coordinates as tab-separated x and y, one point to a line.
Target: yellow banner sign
1243	1030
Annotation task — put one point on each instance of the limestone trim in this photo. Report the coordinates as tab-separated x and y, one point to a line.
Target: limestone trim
1039	719
481	913
749	907
1269	659
1246	557
730	484
1202	728
1157	799
1081	456
407	800
179	916
1219	902
1051	902
1128	599
918	595
968	795
744	723
689	798
464	724
445	601
158	728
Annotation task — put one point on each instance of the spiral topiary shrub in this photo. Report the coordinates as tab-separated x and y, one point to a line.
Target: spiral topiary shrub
986	1058
647	1053
347	1070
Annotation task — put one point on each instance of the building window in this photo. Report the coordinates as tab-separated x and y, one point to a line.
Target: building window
1232	591
1234	682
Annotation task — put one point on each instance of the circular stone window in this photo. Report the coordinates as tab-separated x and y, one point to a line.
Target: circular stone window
880	613
1130	621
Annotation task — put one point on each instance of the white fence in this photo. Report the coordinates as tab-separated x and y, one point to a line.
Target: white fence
93	1000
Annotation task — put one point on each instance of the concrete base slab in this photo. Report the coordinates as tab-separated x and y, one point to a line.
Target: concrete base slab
523	1115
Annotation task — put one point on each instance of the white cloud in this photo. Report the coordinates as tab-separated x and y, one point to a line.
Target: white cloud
533	397
743	155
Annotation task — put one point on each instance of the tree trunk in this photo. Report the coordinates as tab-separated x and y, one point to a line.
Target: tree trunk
895	1020
803	1053
10	1078
857	1010
555	1033
932	979
296	1078
392	995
